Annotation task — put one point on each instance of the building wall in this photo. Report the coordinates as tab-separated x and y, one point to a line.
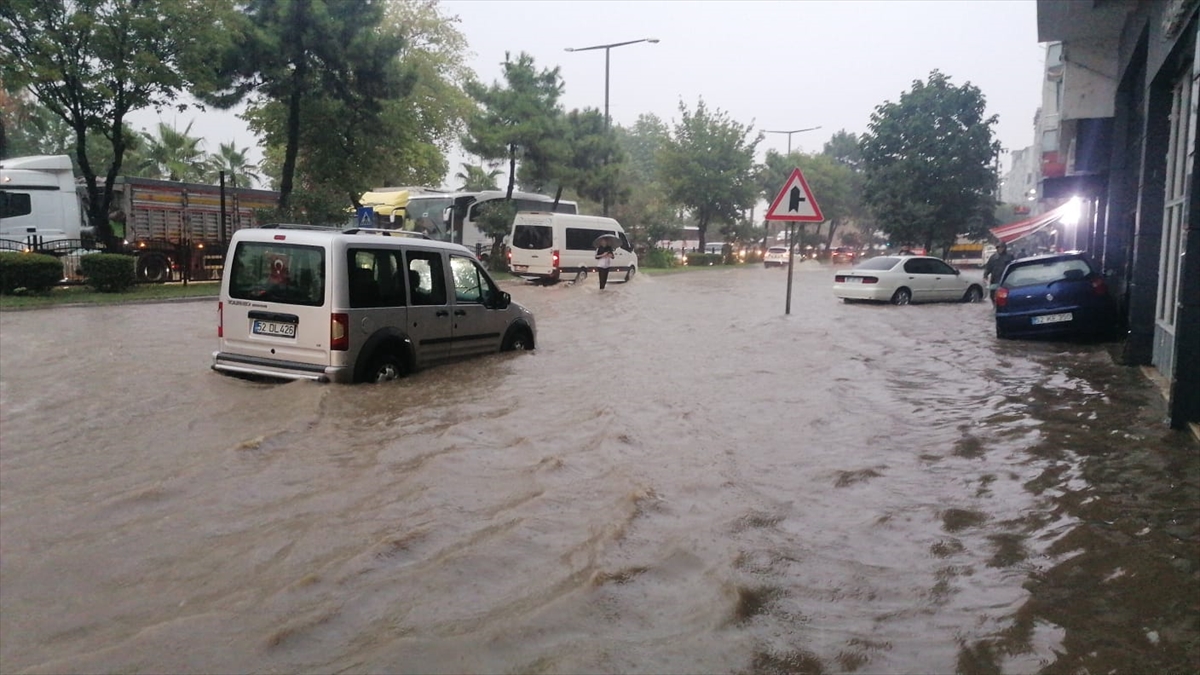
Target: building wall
1126	69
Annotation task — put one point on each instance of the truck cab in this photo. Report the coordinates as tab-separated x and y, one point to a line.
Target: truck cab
39	204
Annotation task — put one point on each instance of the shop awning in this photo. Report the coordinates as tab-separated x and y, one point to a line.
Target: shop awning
1014	231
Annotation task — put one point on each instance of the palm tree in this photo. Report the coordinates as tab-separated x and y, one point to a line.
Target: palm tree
476	178
174	154
235	163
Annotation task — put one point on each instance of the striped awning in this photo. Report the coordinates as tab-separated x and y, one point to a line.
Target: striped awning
1014	231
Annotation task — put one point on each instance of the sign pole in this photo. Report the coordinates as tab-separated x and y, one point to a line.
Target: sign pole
787	309
795	204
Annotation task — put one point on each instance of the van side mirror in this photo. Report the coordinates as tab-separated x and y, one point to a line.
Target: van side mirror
501	300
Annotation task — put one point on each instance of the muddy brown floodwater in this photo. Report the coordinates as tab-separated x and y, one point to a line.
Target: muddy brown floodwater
681	479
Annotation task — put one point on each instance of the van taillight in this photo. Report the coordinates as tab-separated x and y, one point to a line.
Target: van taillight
554	259
1001	298
220	319
339	332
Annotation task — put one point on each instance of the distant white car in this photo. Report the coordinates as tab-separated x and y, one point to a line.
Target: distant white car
901	279
776	256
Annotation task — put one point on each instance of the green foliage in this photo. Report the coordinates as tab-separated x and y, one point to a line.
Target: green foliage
476	178
495	221
929	163
324	70
28	272
91	62
173	155
707	165
643	207
109	272
521	115
29	128
844	148
658	257
705	259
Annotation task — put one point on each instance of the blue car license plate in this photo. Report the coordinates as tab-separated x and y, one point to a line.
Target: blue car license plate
1051	318
273	328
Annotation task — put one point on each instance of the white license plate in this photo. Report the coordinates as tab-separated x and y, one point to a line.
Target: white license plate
1051	318
273	328
854	280
520	268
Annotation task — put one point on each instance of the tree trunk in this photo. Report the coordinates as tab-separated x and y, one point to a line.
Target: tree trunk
512	168
293	141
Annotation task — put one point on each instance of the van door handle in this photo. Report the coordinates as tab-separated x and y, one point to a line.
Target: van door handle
460	312
442	312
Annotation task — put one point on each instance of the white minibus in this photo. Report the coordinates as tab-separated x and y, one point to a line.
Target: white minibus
547	246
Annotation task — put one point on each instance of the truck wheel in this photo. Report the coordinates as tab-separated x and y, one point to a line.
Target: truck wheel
153	268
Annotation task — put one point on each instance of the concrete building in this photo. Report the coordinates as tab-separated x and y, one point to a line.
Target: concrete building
1125	144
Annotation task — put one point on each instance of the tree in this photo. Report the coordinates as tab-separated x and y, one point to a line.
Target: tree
707	165
522	115
595	162
91	62
845	149
319	67
476	178
644	209
928	162
238	168
174	155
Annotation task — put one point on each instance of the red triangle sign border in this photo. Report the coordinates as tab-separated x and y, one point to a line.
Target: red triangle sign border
797	178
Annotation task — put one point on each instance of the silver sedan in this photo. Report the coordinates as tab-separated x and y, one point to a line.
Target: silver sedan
904	279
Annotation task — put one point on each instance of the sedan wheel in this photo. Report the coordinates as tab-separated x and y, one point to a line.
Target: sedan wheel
902	296
974	294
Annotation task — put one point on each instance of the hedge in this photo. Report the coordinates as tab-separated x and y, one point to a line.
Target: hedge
109	272
28	272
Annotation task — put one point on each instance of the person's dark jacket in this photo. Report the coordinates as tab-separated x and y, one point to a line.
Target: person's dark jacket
995	266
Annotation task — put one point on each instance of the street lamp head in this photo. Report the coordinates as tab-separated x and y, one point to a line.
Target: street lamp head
569	49
652	40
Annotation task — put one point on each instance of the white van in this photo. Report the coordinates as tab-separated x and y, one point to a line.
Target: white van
357	305
546	246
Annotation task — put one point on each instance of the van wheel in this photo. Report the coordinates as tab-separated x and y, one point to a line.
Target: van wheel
517	340
581	276
629	274
384	368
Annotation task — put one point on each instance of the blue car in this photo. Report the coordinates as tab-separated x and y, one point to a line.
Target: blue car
1059	294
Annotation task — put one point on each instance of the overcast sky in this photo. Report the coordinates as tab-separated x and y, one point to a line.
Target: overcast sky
781	65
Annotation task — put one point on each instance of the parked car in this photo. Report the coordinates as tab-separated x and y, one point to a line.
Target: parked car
904	279
842	254
776	256
1054	295
360	305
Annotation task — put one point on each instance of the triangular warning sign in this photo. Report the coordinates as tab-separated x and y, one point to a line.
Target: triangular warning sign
795	202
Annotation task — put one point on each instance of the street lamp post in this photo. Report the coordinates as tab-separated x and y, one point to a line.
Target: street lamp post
607	49
767	235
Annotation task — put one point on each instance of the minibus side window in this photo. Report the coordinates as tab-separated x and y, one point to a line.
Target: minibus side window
426	278
375	278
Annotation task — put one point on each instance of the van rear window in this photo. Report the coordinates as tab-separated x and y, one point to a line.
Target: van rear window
275	272
533	237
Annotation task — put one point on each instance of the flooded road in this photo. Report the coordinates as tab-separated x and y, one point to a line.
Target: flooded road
680	479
